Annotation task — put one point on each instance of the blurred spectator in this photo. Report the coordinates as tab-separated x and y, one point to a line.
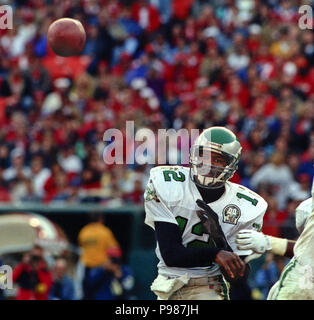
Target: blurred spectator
95	239
136	196
17	166
300	189
146	15
54	100
306	165
268	275
61	190
39	76
239	58
62	286
69	161
27	193
32	276
277	175
123	281
4	156
288	229
5	195
111	281
39	175
274	217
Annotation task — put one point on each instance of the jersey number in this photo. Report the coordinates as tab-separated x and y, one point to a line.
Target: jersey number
198	230
244	196
177	176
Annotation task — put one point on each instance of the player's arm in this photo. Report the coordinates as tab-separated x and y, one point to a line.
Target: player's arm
175	254
259	243
168	234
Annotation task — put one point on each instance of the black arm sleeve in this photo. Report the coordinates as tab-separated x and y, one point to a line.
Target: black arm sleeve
175	254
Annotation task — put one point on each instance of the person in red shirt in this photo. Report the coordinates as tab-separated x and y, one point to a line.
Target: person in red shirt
236	89
32	276
181	8
273	219
146	15
136	195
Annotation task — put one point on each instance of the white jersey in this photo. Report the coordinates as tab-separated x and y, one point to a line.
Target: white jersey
302	213
304	247
171	196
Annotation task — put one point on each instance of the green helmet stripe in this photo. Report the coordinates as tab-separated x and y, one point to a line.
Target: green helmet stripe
220	136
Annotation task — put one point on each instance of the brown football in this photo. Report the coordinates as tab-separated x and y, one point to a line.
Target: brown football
66	37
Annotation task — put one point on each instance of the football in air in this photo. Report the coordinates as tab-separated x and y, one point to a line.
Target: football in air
66	37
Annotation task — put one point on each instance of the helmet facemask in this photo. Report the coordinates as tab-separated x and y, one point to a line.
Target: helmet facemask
204	171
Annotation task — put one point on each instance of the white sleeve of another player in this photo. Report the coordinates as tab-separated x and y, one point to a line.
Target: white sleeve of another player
155	208
302	214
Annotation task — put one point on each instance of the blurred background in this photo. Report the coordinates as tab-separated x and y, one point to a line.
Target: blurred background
163	64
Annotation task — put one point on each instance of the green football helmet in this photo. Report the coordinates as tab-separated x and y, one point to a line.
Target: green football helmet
214	157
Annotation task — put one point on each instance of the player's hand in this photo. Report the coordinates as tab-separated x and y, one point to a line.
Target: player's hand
253	240
211	226
231	263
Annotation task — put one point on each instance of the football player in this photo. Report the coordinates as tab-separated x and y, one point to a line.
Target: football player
191	264
297	279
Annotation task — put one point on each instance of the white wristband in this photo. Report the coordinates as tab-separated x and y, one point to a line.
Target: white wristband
278	245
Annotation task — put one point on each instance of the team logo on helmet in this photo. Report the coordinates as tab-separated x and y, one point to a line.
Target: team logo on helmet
231	214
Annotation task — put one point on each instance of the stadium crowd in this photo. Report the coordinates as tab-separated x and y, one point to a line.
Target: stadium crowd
163	64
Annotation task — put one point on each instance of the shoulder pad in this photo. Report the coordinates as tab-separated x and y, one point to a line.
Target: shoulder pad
305	206
170	182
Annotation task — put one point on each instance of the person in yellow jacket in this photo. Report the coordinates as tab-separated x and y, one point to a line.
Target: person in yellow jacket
95	239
